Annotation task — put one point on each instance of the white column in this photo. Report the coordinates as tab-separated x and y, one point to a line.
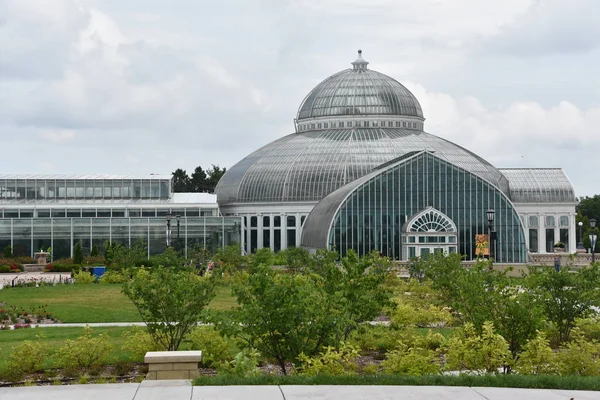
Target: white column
572	233
542	234
298	229
259	232
283	231
248	234
272	231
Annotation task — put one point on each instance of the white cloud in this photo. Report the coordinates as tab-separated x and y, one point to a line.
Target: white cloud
58	136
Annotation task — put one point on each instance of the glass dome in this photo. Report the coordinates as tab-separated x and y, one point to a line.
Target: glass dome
348	125
359	91
308	166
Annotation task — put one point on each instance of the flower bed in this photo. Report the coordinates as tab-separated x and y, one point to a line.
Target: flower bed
22	319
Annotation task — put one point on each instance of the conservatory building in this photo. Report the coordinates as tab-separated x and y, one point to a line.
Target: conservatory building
58	211
360	172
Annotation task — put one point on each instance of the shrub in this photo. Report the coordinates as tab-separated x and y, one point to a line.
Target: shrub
4	269
415	361
580	356
215	348
537	357
138	342
83	277
27	357
475	353
244	364
113	277
590	327
375	338
86	351
171	302
331	362
78	254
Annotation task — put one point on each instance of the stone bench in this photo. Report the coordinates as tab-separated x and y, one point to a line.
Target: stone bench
172	364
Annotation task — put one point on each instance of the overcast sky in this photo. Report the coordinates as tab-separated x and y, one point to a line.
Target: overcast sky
148	86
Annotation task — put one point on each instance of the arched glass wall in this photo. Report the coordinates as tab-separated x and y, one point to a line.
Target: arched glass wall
372	216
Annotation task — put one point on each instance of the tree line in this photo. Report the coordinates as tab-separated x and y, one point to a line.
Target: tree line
200	181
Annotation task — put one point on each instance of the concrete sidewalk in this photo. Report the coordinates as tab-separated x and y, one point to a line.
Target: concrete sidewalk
182	390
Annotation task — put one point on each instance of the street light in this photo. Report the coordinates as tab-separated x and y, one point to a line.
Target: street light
490	218
593	238
168	215
580	243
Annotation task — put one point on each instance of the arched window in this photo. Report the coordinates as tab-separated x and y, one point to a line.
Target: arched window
429	232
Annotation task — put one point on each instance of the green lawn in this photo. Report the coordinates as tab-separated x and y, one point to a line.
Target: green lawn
55	337
89	303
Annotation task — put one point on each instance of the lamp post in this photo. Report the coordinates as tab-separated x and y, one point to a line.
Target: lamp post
168	215
490	218
593	238
580	243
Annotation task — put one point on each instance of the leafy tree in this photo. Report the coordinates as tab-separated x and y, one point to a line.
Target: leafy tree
479	294
8	253
94	252
181	181
565	296
282	315
215	173
297	259
169	257
262	256
588	208
119	256
170	302
230	257
78	254
198	181
356	286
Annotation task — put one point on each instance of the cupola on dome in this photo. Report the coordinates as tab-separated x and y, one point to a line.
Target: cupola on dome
359	91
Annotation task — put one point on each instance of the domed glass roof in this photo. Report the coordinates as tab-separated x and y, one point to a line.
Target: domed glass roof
359	91
327	154
308	166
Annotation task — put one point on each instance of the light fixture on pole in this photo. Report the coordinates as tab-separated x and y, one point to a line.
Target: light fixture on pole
168	216
580	243
593	238
490	218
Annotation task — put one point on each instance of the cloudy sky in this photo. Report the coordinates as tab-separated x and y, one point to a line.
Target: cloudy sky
148	86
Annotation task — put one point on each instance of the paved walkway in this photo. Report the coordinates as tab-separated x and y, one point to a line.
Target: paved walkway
6	279
182	390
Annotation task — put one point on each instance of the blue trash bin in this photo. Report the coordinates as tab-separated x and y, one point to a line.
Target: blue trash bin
98	271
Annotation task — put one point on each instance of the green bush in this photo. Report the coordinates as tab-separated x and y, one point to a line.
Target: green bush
590	327
477	353
25	358
138	342
83	277
580	356
414	361
4	269
85	352
244	364
375	338
215	348
113	277
537	357
331	362
64	267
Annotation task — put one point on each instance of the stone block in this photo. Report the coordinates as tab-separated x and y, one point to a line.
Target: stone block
161	367
194	374
172	356
184	366
151	375
172	375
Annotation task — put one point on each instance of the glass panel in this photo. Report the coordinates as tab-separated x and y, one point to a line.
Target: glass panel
550	221
564	221
550	240
533	221
533	240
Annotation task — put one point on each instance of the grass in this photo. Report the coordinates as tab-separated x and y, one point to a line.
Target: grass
512	381
54	338
89	303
